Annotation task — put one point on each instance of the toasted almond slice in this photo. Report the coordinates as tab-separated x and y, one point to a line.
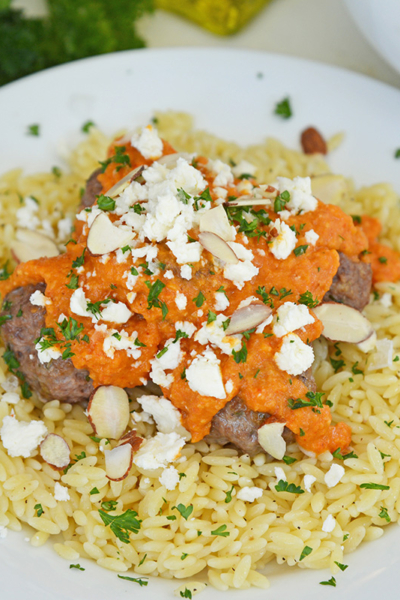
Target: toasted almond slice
270	437
218	247
369	343
123	183
55	451
104	237
249	201
248	317
108	411
131	438
170	160
216	221
118	462
343	323
31	245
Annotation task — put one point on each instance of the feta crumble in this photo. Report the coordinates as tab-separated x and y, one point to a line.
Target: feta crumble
180	300
158	451
214	333
308	482
186	327
221	302
204	375
244	270
334	475
291	316
295	356
10	398
47	354
169	360
311	237
249	494
285	242
148	143
164	413
20	438
186	272
299	188
39	299
61	493
280	474
169	478
244	167
329	524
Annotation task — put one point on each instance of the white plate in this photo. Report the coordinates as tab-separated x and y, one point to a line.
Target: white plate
224	92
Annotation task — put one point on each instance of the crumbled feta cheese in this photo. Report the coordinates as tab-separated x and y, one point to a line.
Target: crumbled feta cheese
249	494
221	302
168	274
10	398
61	493
329	524
10	384
386	300
180	300
220	192
295	356
229	386
26	215
158	451
116	312
260	328
204	375
334	475
20	438
148	143
164	413
39	299
245	187
301	198
131	279
244	168
280	474
78	303
169	360
119	340
131	297
291	316
244	270
169	478
311	237
213	333
47	354
222	171
64	227
186	327
285	242
308	481
3	532
185	252
186	272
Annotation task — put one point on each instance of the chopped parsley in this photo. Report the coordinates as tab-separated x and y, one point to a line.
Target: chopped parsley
228	497
183	196
199	300
308	300
162	352
186	593
140	580
374	486
155	290
288	460
240	355
283	108
105	202
211	317
225	324
56	171
338	455
341	566
384	514
119	158
383	259
121	525
355	370
314	399
356	219
78	262
179	334
86	126
4	272
77	566
221	531
94	491
13	366
4	318
109	505
284	486
143	559
73	283
300	250
281	200
331	581
306	552
33	130
336	364
184	555
185	511
39	510
397	153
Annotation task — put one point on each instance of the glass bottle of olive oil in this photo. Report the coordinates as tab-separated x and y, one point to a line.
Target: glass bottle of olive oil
223	17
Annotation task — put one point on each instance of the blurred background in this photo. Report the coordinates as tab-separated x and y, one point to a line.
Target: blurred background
360	35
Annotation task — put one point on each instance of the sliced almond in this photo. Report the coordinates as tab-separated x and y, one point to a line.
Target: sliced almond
104	237
108	411
247	318
249	201
170	160
270	437
131	438
218	247
216	221
368	344
123	183
55	451
343	323
118	462
31	245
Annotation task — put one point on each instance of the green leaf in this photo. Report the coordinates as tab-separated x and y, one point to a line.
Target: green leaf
4	318
183	196
78	262
336	364
221	531
397	153
314	399
4	272
186	593
73	282
281	200
288	460
185	511
300	250
140	580
33	130
105	202
341	566
383	259
384	514
284	486
109	505
240	355
87	126
199	300
39	510
78	566
337	454
283	108
155	290
374	486
261	291
121	525
94	491
308	300
211	317
228	497
306	551
331	581
179	335
143	559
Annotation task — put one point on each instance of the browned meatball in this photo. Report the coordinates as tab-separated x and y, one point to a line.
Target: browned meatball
92	190
351	284
55	380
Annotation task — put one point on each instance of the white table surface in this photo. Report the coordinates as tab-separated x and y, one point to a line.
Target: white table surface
320	30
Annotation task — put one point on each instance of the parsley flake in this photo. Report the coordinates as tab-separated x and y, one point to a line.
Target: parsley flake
283	108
